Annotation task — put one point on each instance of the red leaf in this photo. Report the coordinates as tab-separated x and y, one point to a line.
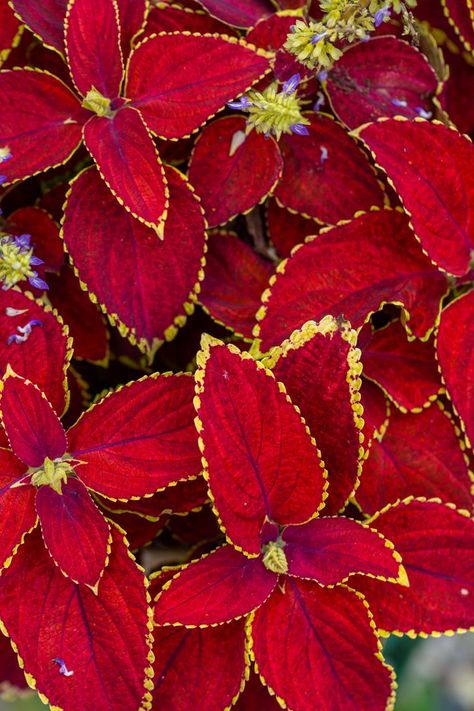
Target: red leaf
376	410
132	18
352	270
172	18
138	439
271	33
205	664
92	36
142	282
382	77
329	550
232	180
45	20
325	175
17	505
10	31
455	350
286	229
234	279
419	455
320	368
129	163
459	13
428	165
178	81
261	462
256	697
44	356
139	531
437	547
32	426
74	531
239	13
340	667
44	233
12	679
405	370
59	620
182	497
41	122
85	322
217	588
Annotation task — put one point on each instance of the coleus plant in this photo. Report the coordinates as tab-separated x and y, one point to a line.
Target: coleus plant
333	502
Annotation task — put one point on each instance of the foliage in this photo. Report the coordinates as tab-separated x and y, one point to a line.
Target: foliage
236	370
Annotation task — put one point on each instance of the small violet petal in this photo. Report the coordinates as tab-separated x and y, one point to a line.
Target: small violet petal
299	129
290	86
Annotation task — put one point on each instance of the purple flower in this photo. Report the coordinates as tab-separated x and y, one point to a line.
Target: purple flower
380	15
3	179
291	84
322	76
37	282
317	38
23	242
299	129
62	667
23	332
423	113
242	103
321	100
399	102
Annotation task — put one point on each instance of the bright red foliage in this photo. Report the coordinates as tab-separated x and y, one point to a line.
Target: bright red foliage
236	305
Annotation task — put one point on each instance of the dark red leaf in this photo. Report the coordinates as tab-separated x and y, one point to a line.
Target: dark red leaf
205	664
17	506
130	165
382	77
46	20
239	13
320	368
459	13
405	370
325	175
217	588
287	229
419	455
10	31
138	439
41	122
172	18
92	37
235	278
232	172
256	697
351	270
74	531
43	356
325	637
141	282
329	550
260	459
12	679
270	33
455	350
32	426
85	322
376	409
178	80
59	620
132	18
437	547
428	165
